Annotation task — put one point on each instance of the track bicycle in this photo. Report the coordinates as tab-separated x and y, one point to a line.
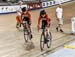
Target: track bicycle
27	34
46	38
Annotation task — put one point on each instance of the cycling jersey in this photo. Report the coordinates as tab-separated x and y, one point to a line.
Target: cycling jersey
26	16
45	21
19	11
18	17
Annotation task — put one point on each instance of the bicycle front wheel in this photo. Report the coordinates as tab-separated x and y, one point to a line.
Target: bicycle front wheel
26	36
49	38
42	40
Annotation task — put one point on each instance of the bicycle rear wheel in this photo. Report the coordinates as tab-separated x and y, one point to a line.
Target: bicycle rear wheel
42	40
49	38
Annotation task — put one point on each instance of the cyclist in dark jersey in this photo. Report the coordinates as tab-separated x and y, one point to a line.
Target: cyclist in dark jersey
25	15
44	19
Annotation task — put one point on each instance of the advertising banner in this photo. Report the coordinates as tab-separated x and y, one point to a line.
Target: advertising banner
55	2
9	9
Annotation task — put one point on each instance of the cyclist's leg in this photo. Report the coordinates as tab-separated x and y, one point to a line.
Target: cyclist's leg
45	27
48	28
28	26
19	21
29	29
17	25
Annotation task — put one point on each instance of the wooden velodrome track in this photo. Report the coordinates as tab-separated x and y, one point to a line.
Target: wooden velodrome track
12	43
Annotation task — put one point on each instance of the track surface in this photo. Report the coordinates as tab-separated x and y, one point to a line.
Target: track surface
12	43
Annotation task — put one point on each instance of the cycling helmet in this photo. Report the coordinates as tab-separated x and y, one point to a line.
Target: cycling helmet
20	2
23	9
42	12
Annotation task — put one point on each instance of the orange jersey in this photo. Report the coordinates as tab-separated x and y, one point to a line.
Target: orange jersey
41	18
26	14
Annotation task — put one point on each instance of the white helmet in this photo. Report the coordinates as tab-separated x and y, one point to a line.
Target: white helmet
20	2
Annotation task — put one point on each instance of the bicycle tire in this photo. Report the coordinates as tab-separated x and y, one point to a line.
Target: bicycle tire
49	37
25	33
26	36
42	45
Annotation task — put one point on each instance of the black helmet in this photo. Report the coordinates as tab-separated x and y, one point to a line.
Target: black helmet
42	12
23	9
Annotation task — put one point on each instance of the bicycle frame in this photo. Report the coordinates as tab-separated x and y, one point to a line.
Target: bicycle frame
27	33
45	39
25	25
43	31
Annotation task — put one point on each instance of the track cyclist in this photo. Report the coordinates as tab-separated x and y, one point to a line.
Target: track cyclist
26	17
45	20
18	17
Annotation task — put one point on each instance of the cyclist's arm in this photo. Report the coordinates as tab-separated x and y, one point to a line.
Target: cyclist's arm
48	20
39	21
38	26
29	16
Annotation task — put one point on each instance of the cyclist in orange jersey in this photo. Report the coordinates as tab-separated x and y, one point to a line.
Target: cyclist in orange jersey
26	17
44	19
